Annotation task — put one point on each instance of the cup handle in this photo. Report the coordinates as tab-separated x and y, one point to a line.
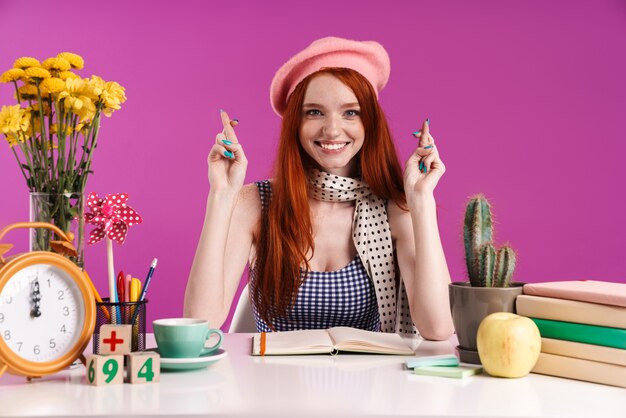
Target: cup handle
209	350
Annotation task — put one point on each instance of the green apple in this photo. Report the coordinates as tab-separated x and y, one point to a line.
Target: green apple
508	344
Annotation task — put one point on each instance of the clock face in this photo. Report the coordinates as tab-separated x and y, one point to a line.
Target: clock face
43	331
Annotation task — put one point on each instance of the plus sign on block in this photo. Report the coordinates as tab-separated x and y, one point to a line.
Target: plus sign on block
115	339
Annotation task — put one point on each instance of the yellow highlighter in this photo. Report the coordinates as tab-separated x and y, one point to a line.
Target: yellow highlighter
135	289
135	292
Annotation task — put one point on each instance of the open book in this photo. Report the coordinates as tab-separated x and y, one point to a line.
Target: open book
328	341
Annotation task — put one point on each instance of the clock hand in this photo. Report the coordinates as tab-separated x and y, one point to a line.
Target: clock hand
36	299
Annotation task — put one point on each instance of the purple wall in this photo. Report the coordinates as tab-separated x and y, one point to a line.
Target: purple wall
527	102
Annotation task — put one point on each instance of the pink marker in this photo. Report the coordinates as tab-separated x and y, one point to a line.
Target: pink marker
127	281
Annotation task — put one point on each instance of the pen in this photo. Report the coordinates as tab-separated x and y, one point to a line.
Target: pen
145	287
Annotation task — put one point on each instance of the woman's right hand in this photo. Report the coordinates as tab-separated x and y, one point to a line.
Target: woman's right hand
227	161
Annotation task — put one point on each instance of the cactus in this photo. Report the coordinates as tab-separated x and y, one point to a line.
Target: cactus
486	266
505	265
477	230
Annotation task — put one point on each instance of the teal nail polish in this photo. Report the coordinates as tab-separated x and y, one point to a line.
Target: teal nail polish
227	142
229	154
416	133
427	121
428	147
236	120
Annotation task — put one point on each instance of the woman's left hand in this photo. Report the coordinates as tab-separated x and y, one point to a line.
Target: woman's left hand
423	178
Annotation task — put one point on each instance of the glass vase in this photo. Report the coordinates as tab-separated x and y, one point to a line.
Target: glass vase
65	211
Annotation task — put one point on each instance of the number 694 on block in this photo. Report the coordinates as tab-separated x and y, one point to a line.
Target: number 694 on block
143	367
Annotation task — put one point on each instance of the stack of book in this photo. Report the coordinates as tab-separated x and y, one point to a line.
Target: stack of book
583	329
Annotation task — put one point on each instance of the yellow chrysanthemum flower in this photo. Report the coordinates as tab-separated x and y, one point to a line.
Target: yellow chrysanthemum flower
75	60
95	86
27	92
112	96
14	120
75	99
87	110
64	75
26	62
13	140
73	88
52	85
56	64
37	73
13	74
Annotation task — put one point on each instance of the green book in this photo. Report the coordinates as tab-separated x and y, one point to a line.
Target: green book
582	333
457	372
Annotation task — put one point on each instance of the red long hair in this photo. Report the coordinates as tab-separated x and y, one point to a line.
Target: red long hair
286	234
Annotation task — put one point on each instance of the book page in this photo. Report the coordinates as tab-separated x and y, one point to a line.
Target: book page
358	340
313	341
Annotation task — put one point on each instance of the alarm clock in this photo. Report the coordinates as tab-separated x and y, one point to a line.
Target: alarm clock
47	308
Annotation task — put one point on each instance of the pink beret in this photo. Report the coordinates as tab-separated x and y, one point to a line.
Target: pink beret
369	58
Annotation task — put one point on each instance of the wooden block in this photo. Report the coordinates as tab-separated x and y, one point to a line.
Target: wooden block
105	369
144	367
115	339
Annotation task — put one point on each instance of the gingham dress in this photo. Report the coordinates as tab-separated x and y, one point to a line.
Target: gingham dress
344	297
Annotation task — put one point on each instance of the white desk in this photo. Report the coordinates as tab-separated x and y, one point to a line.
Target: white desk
343	385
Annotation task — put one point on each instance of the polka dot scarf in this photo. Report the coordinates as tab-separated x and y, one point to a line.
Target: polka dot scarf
372	239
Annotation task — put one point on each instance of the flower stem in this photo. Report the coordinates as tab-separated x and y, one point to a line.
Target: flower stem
94	138
51	141
43	130
19	163
17	92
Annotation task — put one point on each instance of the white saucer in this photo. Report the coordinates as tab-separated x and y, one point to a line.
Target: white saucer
191	363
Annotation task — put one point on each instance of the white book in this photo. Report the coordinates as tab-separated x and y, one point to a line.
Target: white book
328	341
579	369
584	351
571	311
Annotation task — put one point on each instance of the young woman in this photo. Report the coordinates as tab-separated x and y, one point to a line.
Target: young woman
338	237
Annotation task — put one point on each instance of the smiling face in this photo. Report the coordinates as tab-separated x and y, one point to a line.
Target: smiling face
331	129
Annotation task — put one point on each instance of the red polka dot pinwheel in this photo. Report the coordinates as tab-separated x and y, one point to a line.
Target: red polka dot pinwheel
112	216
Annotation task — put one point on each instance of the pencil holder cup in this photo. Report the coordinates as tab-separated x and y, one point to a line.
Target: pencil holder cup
122	313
